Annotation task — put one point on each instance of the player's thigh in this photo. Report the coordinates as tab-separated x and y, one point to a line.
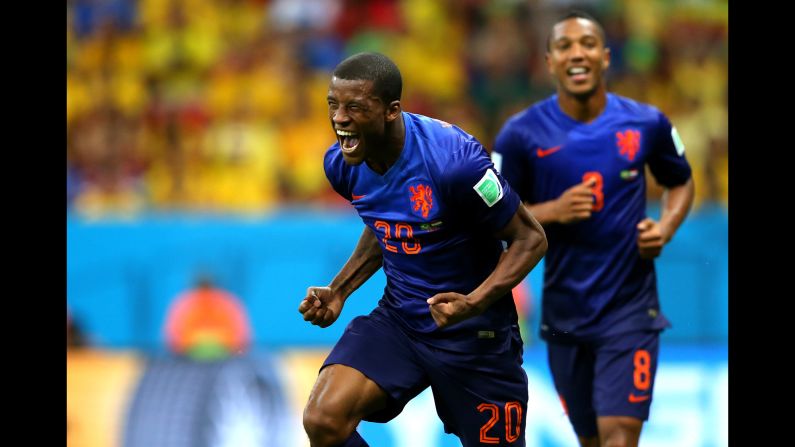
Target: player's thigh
481	399
572	368
626	366
591	441
345	392
376	347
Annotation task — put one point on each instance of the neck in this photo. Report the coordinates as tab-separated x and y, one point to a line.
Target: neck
393	145
583	108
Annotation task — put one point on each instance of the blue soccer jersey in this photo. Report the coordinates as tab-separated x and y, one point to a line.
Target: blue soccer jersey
595	283
435	212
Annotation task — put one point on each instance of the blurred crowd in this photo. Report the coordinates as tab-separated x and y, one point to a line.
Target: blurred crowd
219	105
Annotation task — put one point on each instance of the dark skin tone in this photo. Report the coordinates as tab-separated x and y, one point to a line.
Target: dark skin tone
577	58
373	133
378	125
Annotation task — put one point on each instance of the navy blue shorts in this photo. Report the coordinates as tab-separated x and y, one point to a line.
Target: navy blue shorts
482	399
612	377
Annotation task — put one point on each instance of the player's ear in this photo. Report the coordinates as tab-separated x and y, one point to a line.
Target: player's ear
606	59
393	111
548	60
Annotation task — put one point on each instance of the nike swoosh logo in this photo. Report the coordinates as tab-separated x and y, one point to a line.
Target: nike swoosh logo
635	399
355	197
541	153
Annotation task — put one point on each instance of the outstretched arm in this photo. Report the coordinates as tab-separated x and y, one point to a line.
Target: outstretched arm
676	203
322	305
528	244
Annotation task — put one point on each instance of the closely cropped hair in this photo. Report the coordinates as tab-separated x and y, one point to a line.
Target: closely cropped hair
577	14
387	82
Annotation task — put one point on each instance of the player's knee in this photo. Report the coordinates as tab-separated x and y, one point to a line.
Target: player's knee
621	432
325	428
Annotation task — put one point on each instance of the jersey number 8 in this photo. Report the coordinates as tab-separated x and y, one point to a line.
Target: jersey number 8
599	203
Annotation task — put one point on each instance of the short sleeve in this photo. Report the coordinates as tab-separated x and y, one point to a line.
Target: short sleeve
510	160
480	194
667	160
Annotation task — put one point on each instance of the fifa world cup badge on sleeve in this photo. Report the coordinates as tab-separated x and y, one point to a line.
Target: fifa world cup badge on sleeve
489	188
680	147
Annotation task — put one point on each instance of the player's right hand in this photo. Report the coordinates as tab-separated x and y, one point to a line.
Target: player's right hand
576	203
449	308
321	306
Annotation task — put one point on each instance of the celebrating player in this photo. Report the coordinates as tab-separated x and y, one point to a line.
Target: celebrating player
435	214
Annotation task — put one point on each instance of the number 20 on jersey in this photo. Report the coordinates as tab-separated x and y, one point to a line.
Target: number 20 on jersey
403	233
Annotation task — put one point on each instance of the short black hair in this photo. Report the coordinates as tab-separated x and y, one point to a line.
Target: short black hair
387	82
577	14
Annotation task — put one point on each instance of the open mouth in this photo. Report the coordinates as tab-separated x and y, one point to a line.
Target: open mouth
349	141
578	74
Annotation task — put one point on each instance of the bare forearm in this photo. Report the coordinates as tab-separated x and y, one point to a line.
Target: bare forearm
676	203
544	212
527	248
365	260
573	205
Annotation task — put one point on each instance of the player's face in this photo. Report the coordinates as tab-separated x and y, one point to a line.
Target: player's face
577	57
358	118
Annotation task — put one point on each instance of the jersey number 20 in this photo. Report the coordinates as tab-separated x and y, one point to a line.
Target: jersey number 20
400	227
512	425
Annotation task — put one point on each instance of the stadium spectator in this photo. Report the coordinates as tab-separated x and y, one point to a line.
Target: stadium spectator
207	323
209	57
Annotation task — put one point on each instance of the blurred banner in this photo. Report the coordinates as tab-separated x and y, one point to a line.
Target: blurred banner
180	402
125	400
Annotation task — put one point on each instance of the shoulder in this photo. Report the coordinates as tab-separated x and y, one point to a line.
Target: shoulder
442	144
521	121
640	110
522	125
447	151
464	163
434	131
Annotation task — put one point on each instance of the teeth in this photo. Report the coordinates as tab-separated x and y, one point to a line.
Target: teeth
577	70
345	133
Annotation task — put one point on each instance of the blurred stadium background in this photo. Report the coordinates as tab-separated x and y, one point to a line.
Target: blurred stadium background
195	131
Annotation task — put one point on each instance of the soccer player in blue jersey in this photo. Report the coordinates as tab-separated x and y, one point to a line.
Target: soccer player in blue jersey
435	212
577	159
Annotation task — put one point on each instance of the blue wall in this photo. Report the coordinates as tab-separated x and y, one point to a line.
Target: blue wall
121	276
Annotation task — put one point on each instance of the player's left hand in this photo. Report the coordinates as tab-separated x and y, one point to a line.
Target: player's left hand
450	308
651	238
